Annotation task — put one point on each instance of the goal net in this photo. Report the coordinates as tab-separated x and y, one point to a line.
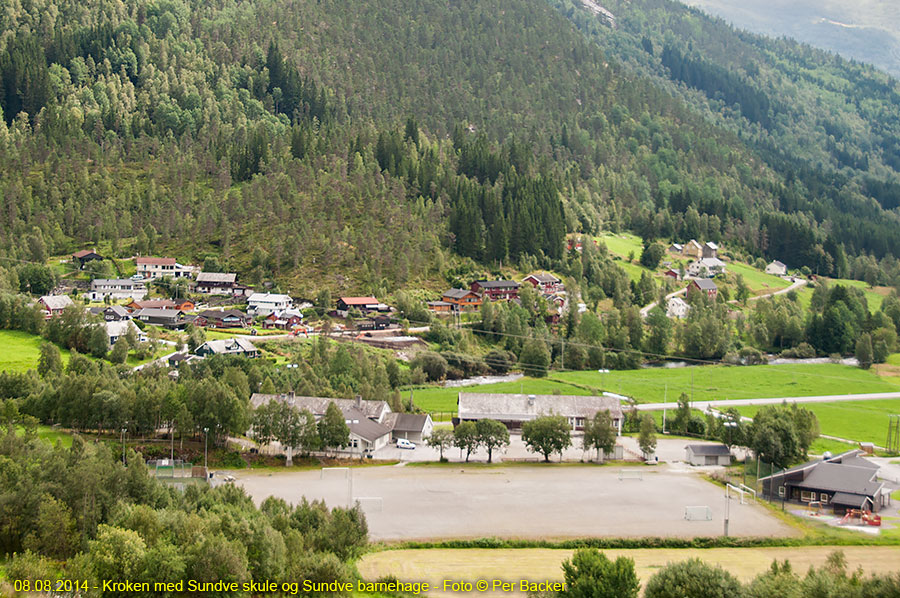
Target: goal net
631	474
698	513
343	472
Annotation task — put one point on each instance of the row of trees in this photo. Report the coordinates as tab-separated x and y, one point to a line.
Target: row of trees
296	429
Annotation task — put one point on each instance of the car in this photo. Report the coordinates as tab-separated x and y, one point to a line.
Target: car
403	443
137	277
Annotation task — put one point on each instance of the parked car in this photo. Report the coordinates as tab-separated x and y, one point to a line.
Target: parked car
403	443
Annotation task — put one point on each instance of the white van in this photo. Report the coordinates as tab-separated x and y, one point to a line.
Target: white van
405	444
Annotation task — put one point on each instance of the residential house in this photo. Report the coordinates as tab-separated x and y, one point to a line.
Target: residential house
677	307
286	319
672	273
264	304
152	268
81	258
439	306
53	305
710	249
116	288
180	304
544	281
846	481
496	290
230	346
414	427
366	436
707	266
176	359
219	283
363	304
116	329
676	248
462	299
376	323
168	318
218	318
703	285
516	409
692	249
776	268
115	313
707	454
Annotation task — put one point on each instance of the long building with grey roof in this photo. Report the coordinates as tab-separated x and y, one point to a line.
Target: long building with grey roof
516	409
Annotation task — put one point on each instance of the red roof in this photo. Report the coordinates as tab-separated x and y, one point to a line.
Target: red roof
83	253
156	261
359	300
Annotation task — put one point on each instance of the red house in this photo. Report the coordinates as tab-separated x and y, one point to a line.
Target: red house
496	290
704	285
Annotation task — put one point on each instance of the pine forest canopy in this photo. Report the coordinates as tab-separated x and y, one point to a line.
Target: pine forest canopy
291	138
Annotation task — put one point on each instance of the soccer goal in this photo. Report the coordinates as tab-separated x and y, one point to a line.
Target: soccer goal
370	504
698	513
344	471
631	474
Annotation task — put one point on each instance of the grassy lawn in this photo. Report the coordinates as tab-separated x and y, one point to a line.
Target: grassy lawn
436	564
820	445
730	382
52	435
19	351
863	421
622	244
759	282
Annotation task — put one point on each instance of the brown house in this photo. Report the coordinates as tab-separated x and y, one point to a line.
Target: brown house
81	258
228	318
462	299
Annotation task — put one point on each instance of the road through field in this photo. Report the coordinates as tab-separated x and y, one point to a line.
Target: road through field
703	405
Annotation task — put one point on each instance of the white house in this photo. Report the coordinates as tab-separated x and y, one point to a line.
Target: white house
708	266
116	288
117	329
266	303
54	305
776	268
677	308
152	268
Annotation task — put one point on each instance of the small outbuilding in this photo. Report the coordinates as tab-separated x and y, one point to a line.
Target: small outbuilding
707	454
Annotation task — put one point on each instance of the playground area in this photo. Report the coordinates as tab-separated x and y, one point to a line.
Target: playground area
523	501
857	520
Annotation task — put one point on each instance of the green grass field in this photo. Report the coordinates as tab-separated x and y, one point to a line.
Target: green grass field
19	351
709	382
874	295
622	244
52	435
862	421
760	283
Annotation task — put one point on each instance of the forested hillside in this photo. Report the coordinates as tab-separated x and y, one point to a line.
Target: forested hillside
313	146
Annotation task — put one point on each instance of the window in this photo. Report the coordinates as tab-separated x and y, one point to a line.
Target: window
781	491
824	498
807	496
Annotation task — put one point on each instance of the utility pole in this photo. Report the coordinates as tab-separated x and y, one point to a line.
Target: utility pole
727	509
205	453
123	443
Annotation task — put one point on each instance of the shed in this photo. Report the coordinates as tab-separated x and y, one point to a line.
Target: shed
707	454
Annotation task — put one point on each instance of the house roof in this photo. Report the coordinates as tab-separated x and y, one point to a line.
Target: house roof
842	478
229	345
153	312
155	261
709	450
711	245
287	313
120	328
153	303
777	263
117	282
438	304
406	422
220	314
268	298
84	253
359	300
497	284
849	499
360	425
216	277
543	277
56	301
522	407
457	293
318	405
118	310
693	242
711	262
704	284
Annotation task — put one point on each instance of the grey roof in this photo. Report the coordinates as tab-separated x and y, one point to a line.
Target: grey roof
437	303
221	314
704	284
318	405
842	478
120	328
712	262
543	277
406	422
777	263
849	499
360	424
117	282
457	293
118	310
155	312
710	450
56	301
711	245
216	277
497	284
522	407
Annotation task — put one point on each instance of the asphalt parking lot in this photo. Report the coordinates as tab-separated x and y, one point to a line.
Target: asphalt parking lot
520	501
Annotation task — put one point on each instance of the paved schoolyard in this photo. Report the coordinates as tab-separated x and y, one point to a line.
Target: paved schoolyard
520	501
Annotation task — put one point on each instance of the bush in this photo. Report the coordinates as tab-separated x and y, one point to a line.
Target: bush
801	351
500	361
693	578
432	364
